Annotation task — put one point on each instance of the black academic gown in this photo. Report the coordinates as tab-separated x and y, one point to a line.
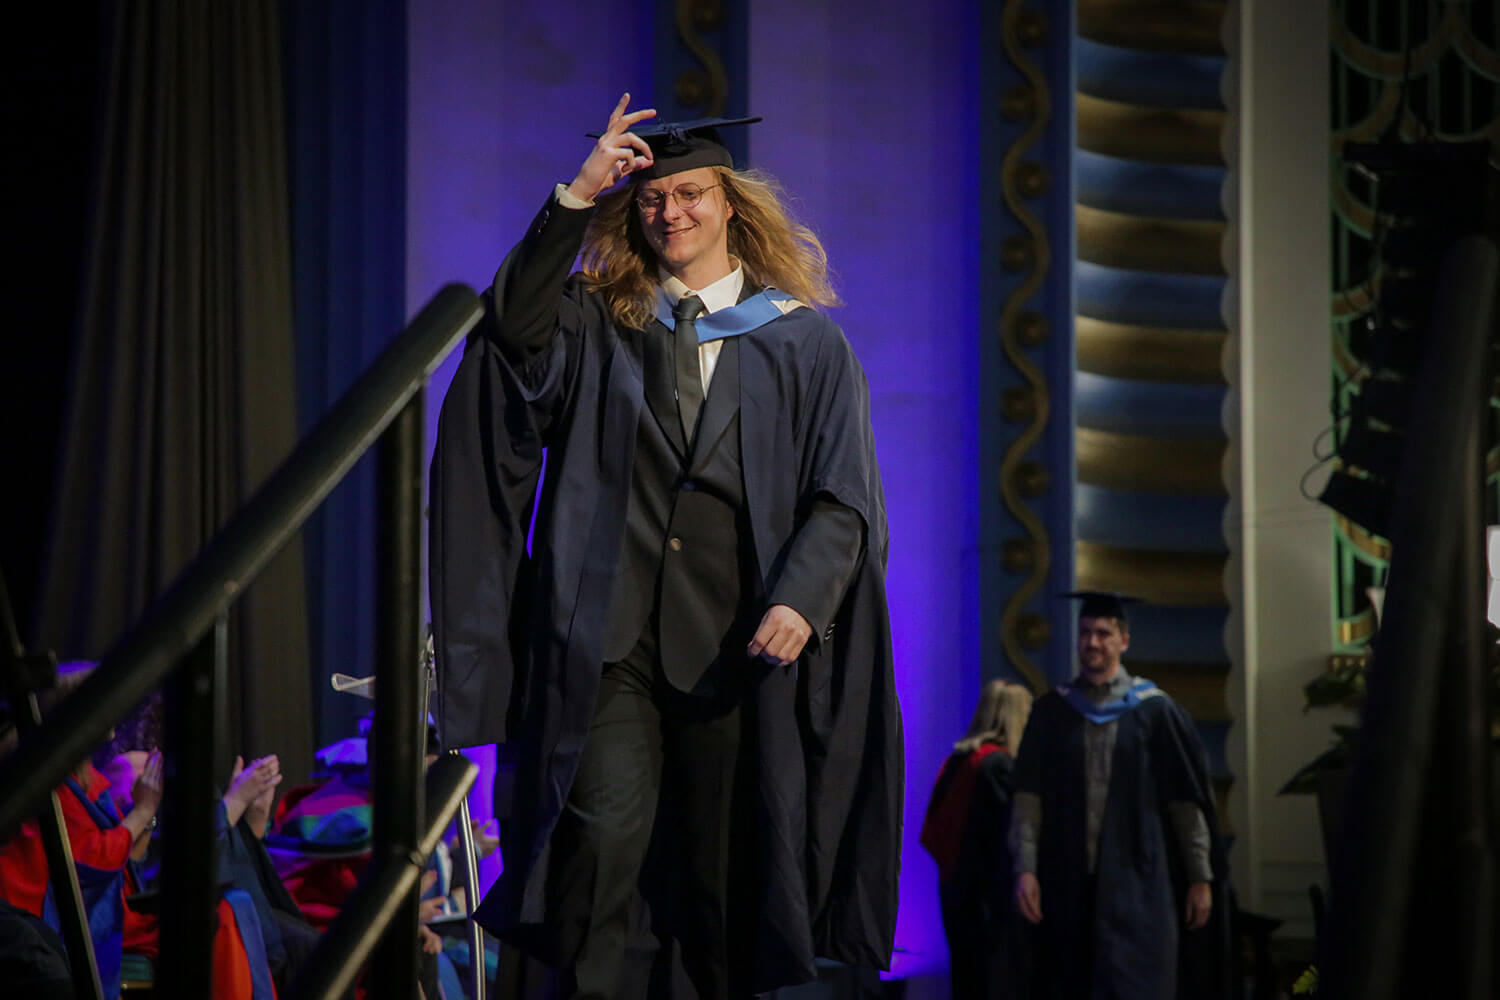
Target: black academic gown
1121	936
520	636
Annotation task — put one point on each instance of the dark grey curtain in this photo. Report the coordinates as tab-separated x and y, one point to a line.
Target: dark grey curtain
346	77
181	391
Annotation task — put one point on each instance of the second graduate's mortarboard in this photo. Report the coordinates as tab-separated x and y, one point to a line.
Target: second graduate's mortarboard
1102	603
679	146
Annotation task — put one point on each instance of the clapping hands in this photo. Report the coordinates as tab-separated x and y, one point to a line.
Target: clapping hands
145	793
252	789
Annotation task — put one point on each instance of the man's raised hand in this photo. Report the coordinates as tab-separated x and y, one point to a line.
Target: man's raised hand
145	793
618	152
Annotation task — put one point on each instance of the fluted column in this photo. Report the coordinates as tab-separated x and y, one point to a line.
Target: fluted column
1148	389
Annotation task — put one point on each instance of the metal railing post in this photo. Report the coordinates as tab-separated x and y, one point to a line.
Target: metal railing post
69	899
189	869
399	732
471	899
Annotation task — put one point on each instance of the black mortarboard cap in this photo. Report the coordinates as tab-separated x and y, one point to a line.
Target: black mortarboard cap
679	146
1102	603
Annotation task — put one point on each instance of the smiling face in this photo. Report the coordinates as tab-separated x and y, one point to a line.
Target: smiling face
692	244
1101	641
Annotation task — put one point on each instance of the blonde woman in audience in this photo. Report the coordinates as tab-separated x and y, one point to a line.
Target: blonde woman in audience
965	832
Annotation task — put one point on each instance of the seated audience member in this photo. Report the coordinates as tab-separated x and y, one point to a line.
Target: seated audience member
965	831
243	817
445	903
322	838
102	837
101	840
33	962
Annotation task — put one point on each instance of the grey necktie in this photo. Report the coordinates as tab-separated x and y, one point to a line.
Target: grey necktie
689	374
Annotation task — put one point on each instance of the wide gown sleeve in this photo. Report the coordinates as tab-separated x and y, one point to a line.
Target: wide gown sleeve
823	556
529	287
495	422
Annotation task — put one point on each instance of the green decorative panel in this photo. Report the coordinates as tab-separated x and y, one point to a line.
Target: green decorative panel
1407	71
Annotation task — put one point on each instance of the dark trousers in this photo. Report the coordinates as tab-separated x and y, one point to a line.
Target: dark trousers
1065	970
657	773
964	927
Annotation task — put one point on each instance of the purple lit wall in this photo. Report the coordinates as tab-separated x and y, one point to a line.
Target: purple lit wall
870	123
499	97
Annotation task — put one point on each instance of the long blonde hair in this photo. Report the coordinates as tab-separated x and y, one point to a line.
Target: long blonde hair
1000	717
773	248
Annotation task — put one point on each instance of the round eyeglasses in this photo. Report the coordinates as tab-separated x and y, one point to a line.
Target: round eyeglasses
687	197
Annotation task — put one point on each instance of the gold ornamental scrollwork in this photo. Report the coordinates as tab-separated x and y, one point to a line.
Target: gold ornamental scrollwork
707	86
1019	404
1018	103
1022	631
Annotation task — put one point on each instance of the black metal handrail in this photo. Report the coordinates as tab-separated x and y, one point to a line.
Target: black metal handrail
175	624
182	622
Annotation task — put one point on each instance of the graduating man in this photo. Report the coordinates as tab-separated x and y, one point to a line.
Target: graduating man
691	656
1112	833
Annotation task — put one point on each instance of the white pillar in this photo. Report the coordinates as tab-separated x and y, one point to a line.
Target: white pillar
1277	360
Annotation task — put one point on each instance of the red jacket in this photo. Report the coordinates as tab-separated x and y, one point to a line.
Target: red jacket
23	860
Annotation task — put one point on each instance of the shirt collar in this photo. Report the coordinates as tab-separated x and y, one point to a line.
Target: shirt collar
1112	689
720	294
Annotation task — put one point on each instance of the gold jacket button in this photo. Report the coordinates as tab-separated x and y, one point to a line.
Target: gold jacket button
675	544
